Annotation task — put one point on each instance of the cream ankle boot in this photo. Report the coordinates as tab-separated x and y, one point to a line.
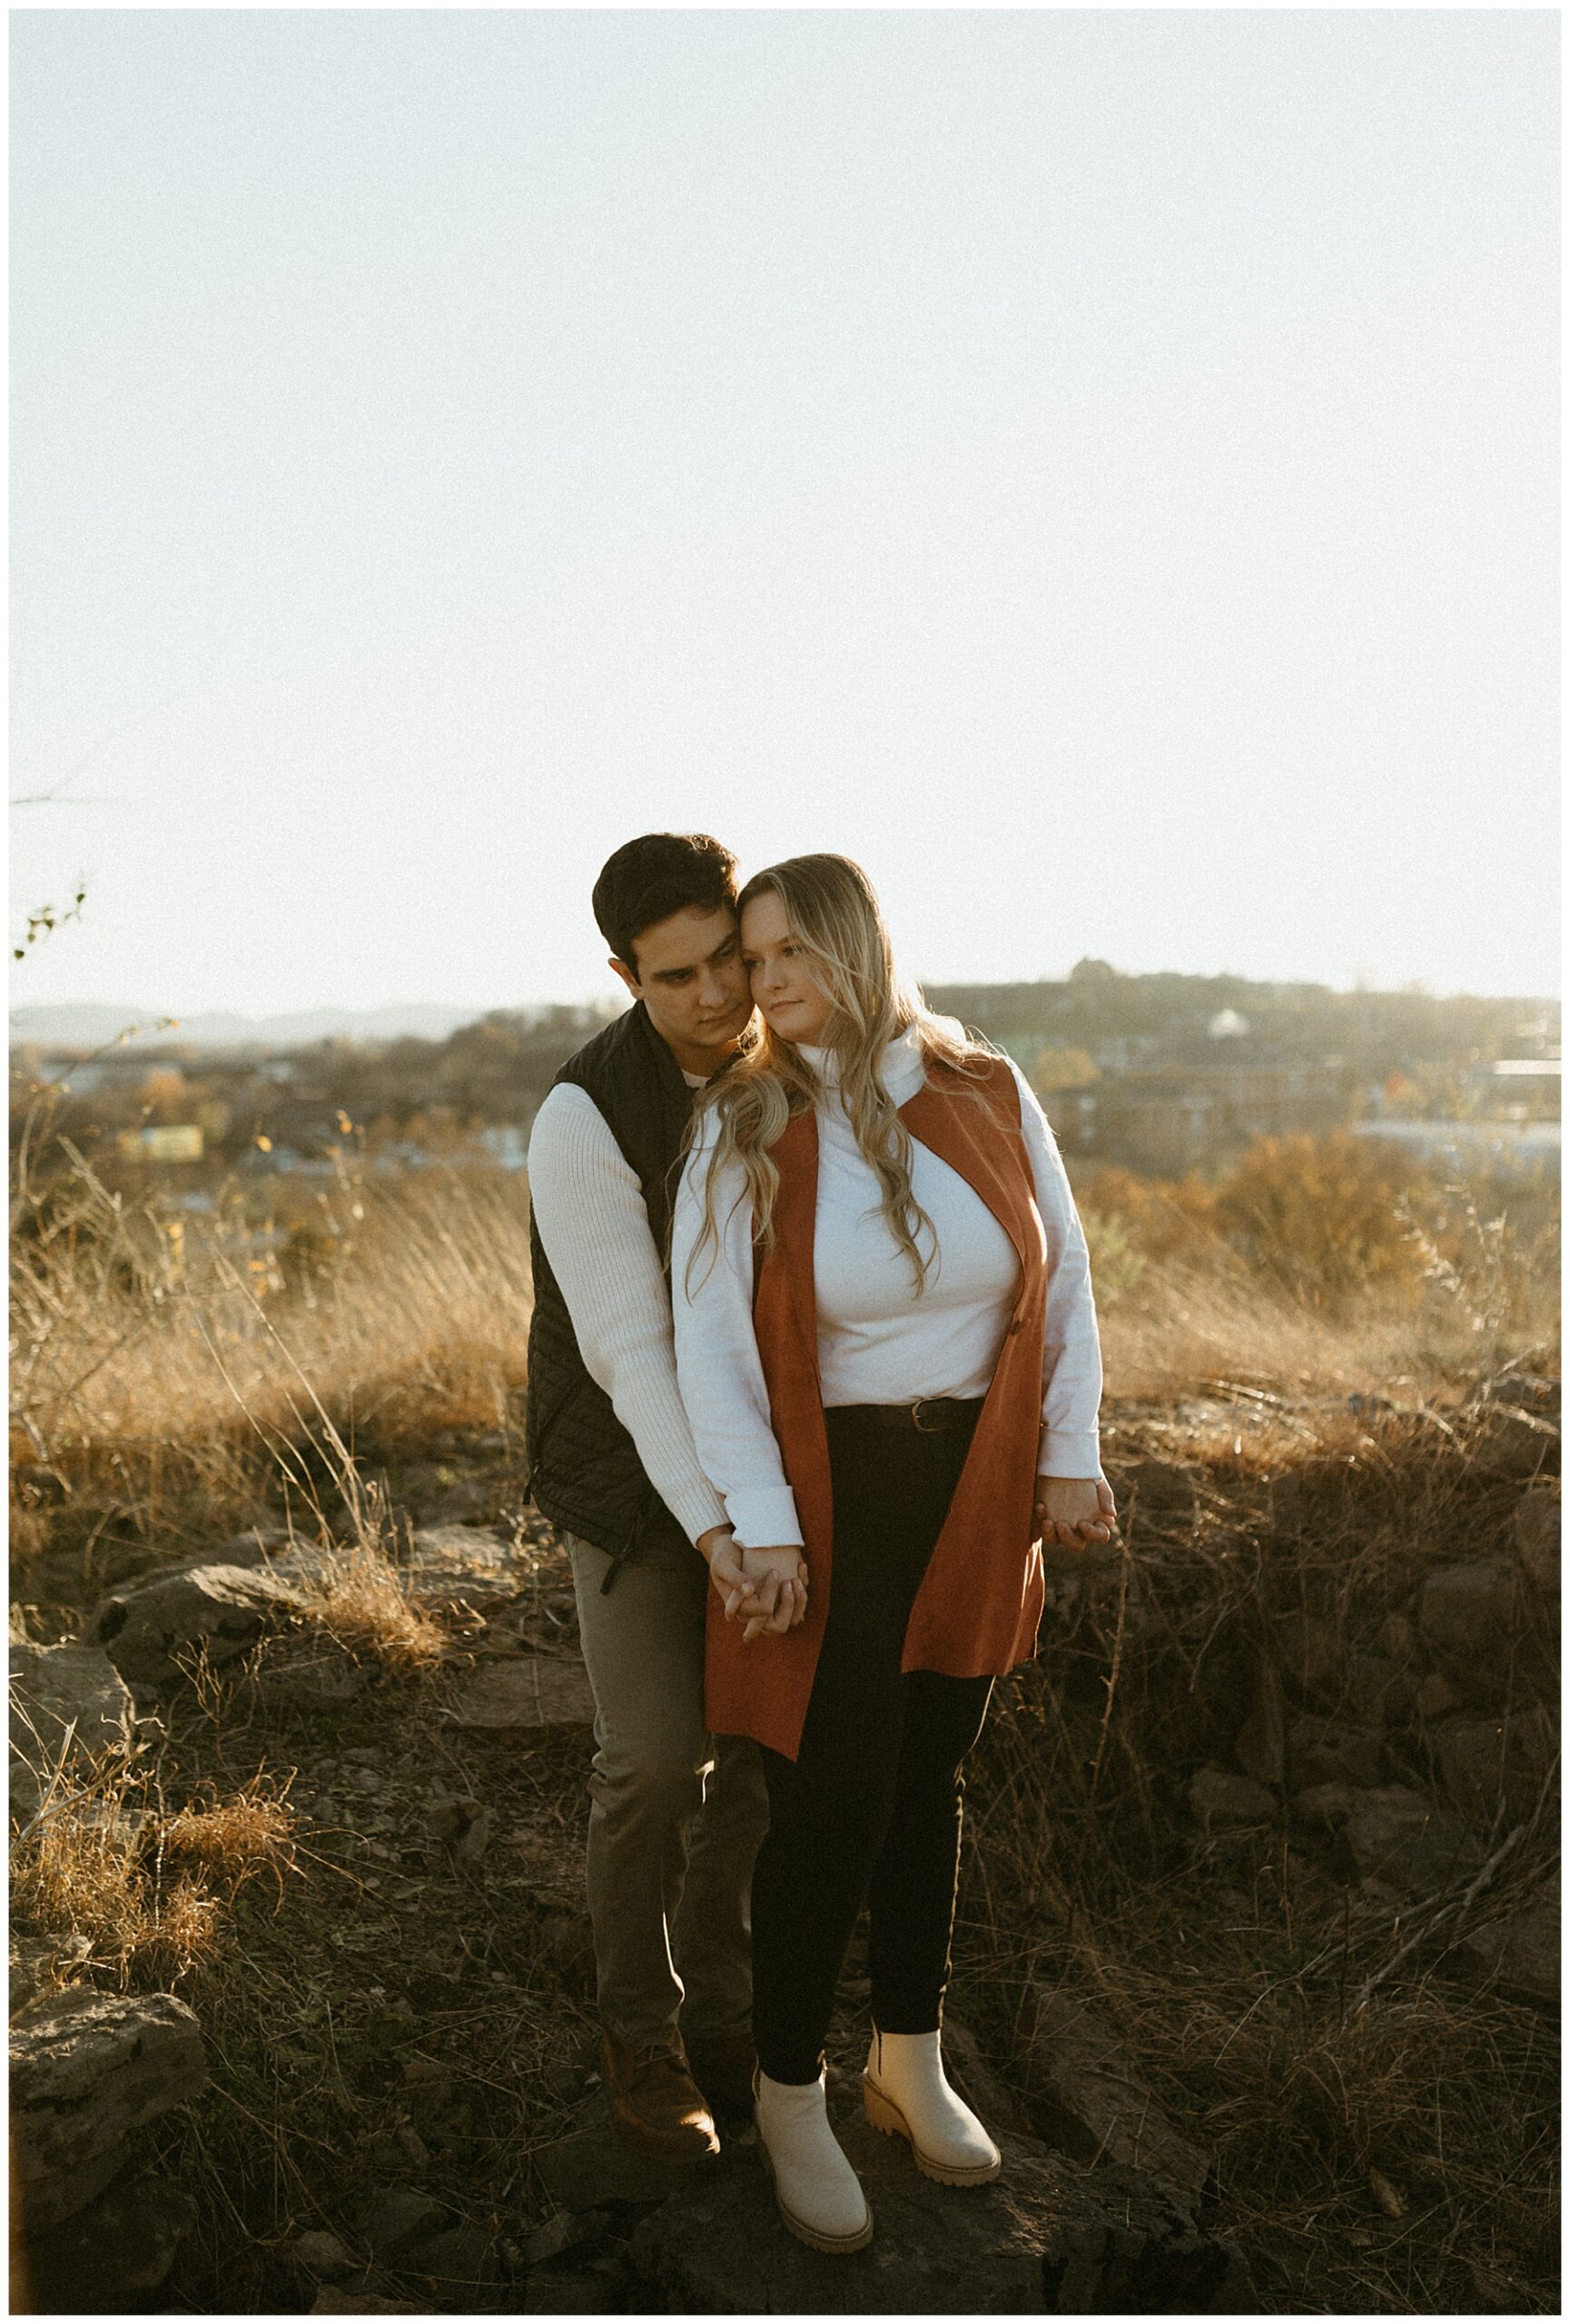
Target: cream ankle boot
905	2091
819	2195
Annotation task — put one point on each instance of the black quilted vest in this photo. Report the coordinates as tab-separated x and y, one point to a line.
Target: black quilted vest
584	1470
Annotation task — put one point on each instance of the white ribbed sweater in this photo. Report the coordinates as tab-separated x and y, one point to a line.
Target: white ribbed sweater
589	1209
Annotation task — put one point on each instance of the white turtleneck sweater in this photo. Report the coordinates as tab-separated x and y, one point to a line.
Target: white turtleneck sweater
878	1343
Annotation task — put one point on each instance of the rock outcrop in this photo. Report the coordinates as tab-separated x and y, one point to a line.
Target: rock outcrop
1047	2238
1088	2097
87	2069
153	1635
71	1710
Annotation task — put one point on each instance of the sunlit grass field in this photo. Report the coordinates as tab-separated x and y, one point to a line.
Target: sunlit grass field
1293	1351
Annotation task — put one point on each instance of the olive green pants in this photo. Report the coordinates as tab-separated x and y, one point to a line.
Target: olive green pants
676	1814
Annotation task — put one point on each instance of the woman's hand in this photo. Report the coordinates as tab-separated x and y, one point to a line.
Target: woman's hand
1075	1513
777	1599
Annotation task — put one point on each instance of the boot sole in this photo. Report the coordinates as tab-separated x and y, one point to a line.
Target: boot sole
834	2245
885	2116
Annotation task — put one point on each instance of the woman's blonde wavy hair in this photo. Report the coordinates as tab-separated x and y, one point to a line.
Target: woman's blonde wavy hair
834	916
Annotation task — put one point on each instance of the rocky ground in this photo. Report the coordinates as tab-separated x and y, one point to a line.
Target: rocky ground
379	2090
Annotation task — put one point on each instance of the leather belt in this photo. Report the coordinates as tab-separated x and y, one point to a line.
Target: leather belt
927	1416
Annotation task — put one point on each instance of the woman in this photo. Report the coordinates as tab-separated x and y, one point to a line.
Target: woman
886	1343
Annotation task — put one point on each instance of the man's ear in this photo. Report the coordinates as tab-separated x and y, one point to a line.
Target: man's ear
627	978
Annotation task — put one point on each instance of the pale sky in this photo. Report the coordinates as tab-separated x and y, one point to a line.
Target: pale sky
1097	469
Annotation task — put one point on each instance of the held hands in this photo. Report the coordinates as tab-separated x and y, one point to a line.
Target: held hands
765	1589
1075	1513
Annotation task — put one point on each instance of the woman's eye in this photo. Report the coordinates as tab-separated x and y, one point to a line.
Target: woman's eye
748	963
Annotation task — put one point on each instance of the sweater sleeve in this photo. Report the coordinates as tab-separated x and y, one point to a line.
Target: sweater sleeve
1070	1434
589	1209
717	1360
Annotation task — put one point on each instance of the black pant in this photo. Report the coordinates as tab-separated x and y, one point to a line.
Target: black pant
870	1811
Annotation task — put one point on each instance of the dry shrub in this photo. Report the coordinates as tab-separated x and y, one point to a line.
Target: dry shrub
1326	1218
1164	1218
88	1870
364	1604
248	1834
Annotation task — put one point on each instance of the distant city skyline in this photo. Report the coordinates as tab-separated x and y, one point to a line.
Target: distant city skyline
1098	468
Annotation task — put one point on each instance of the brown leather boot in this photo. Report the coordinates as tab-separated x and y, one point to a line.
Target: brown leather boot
654	2103
722	2066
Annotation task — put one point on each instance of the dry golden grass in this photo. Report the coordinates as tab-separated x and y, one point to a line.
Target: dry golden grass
169	1391
120	1887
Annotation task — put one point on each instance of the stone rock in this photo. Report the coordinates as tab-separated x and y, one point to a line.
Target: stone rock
1377	1690
1527	1391
320	2253
974	2078
1216	1795
462	1565
1398	1637
1538	1535
1468	1614
1401	1838
314	1676
533	1691
568	2232
1324	1751
125	2242
471	1841
1486	1763
462	2255
1162	1491
1436	1696
1310	1651
345	2299
1505	1441
219	1611
1260	1748
87	2068
569	1945
399	2215
572	2292
29	1965
1088	2096
1046	2238
1328	1805
71	1709
1521	1953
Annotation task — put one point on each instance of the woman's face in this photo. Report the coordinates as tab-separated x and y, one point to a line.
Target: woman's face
794	1007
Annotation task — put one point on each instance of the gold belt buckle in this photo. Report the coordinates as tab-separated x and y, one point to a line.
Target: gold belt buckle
920	1425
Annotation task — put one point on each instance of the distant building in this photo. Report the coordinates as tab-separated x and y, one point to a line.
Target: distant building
1172	1120
1520	1089
161	1142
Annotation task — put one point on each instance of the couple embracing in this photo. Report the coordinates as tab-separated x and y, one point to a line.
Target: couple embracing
814	1377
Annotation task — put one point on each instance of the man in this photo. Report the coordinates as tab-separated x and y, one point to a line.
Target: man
675	1816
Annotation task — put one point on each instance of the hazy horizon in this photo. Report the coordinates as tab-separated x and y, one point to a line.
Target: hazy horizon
1097	469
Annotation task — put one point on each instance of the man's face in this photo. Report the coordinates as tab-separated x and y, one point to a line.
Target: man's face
689	975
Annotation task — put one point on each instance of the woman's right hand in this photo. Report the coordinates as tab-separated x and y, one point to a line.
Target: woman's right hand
777	1602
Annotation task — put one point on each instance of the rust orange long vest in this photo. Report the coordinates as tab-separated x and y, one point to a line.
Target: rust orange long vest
980	1603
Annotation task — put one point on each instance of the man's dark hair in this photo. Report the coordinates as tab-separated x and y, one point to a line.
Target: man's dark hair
650	878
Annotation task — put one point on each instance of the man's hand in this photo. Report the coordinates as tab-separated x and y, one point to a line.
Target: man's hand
718	1549
1075	1513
